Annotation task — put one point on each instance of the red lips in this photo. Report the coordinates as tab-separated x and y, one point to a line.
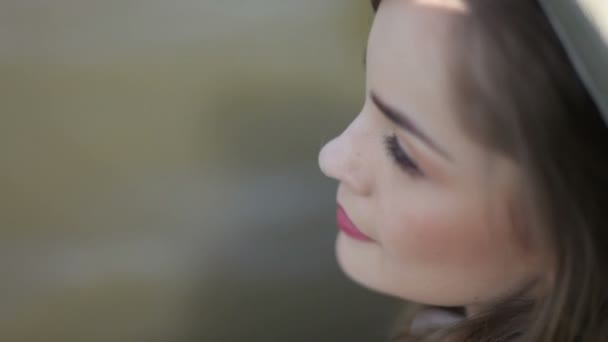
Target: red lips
348	227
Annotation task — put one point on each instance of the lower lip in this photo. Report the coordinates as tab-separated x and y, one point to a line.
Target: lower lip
348	227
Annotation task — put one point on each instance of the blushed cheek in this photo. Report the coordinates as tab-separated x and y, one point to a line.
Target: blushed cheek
442	239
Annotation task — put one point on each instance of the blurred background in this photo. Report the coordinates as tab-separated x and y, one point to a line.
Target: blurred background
158	170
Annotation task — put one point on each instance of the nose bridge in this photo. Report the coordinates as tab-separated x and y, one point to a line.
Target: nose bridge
344	157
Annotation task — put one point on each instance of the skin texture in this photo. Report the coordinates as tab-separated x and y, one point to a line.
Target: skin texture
445	237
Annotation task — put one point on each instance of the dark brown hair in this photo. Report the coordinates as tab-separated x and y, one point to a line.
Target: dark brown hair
519	95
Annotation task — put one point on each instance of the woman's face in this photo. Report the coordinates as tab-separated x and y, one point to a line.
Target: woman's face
436	206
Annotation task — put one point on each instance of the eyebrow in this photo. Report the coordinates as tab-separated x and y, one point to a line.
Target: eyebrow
400	119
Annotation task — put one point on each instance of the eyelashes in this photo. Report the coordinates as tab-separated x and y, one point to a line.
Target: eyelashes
400	157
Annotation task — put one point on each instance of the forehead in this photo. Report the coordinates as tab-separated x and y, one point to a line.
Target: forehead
412	39
410	64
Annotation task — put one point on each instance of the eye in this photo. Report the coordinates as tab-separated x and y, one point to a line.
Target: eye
400	157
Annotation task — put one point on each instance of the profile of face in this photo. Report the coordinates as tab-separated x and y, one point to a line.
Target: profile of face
426	210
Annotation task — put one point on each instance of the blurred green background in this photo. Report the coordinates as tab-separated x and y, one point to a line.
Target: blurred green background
159	175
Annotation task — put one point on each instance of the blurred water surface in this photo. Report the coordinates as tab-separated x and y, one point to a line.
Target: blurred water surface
158	170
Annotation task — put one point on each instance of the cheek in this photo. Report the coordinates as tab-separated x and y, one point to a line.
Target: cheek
446	234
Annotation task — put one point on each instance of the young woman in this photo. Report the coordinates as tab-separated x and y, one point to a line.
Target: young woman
474	181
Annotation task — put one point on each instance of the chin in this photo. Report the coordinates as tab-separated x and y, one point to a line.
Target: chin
358	261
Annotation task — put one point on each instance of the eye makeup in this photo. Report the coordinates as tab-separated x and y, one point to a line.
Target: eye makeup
400	156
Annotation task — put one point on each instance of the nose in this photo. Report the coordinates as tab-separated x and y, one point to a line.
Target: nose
343	159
